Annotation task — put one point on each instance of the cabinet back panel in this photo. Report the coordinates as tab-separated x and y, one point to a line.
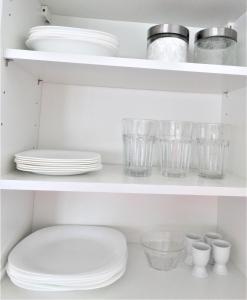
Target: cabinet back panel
130	213
89	118
132	36
232	222
205	13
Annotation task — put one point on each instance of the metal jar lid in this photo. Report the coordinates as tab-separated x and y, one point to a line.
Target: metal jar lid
217	32
158	31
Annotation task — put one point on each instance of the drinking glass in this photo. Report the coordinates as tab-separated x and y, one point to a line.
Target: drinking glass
210	131
212	148
138	139
175	147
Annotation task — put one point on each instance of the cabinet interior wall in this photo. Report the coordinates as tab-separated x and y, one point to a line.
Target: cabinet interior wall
77	117
232	223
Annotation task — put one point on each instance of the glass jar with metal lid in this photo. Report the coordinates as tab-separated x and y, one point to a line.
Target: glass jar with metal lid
216	45
168	42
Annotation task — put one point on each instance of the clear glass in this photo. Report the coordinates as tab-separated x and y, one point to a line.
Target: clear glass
164	249
211	131
194	156
139	137
216	50
212	148
212	157
175	147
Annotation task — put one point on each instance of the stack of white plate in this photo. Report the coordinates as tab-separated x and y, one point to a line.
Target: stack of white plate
58	162
68	257
72	40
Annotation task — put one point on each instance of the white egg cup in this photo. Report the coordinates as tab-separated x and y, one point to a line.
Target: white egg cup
200	254
190	239
209	237
221	254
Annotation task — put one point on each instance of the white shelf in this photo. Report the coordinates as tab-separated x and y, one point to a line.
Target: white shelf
112	180
142	282
128	72
190	12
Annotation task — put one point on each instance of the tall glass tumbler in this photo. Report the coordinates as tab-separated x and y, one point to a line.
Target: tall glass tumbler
139	137
212	148
175	147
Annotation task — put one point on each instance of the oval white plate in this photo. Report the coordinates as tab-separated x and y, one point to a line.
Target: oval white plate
69	250
54	288
90	47
73	30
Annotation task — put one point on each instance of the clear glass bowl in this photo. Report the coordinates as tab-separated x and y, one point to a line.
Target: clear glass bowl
164	249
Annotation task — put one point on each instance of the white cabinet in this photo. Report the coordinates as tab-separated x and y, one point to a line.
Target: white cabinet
63	101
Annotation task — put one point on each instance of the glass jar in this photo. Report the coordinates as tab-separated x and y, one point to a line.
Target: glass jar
216	45
168	43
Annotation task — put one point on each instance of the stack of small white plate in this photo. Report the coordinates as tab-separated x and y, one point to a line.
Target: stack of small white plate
68	257
72	40
58	162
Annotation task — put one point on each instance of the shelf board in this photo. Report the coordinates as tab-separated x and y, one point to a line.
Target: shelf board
142	282
128	72
112	180
190	12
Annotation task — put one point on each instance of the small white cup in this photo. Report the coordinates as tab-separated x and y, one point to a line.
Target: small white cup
200	254
221	254
209	237
191	238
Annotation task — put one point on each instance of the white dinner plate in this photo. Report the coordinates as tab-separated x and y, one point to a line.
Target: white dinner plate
71	30
75	280
72	39
59	172
61	45
57	164
55	288
85	36
58	155
69	250
59	168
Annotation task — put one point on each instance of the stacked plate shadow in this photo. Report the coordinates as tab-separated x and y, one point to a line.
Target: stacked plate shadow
68	258
72	40
58	162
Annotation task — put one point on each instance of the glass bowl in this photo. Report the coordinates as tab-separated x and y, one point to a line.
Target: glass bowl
164	249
